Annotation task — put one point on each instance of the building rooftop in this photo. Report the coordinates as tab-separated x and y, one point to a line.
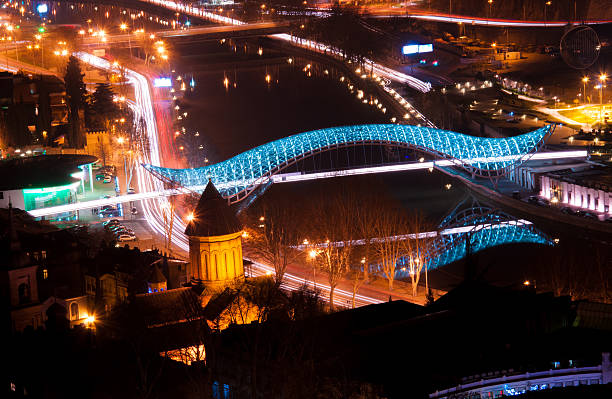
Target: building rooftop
213	216
41	171
597	178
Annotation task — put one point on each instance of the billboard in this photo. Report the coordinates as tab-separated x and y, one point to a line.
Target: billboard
410	49
162	82
425	48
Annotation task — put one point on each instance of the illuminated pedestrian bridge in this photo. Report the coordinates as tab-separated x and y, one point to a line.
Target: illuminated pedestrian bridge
473	230
240	175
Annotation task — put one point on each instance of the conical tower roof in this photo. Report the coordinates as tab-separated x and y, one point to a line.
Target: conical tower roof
156	275
213	216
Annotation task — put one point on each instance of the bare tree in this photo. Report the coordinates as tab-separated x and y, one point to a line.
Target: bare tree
391	221
358	276
334	229
273	233
167	209
418	246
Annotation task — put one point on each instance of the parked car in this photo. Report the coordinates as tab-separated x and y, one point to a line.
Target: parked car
516	194
568	211
106	180
131	190
100	176
533	199
134	211
587	215
126	237
538	201
112	222
108	213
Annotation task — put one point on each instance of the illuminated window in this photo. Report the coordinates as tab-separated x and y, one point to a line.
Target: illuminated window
74	311
45	274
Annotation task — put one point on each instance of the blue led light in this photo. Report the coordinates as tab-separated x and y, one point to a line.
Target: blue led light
491	228
241	174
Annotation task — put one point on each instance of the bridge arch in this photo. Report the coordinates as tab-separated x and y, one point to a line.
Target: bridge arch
478	227
240	175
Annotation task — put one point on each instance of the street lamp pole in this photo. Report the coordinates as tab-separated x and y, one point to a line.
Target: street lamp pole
585	80
545	9
602	81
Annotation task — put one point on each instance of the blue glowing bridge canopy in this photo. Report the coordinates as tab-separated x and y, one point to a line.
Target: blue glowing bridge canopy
489	228
238	176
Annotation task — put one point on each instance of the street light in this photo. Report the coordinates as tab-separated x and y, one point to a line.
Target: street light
545	8
585	80
602	79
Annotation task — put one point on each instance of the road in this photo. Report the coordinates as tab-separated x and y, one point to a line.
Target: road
385	11
177	33
454	19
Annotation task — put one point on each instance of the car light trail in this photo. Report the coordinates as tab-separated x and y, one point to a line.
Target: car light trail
427	234
143	109
280	178
293	282
496	21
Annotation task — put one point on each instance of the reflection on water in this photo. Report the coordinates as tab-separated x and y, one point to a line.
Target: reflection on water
243	99
469	230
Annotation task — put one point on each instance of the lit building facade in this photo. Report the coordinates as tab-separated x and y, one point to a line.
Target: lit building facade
510	384
592	194
48	180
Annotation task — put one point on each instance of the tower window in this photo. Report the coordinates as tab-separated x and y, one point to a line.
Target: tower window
45	274
24	293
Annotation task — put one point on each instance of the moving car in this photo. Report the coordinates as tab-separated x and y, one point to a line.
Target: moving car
126	237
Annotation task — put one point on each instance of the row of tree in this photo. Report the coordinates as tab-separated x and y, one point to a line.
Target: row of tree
345	231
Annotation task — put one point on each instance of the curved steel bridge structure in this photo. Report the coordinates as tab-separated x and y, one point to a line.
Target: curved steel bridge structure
479	228
240	175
